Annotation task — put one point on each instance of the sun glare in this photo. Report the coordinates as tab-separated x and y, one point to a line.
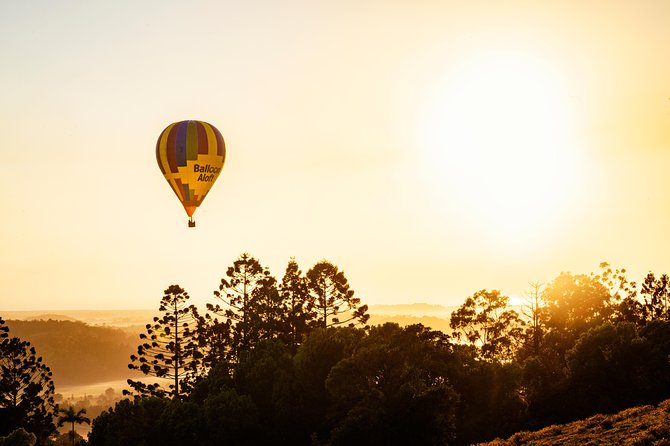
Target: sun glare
500	145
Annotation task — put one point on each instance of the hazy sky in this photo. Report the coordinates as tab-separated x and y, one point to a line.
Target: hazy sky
428	148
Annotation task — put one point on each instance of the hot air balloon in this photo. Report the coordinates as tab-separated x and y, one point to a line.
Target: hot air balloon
191	155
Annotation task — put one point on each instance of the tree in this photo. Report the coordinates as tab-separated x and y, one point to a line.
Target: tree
222	417
316	356
394	389
70	416
266	311
623	302
656	365
490	402
577	303
26	388
656	296
130	422
251	303
231	418
265	374
19	437
534	311
4	330
218	338
485	323
172	347
616	282
65	439
331	297
297	308
606	369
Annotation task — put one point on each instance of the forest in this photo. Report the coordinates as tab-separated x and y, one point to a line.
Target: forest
80	353
296	362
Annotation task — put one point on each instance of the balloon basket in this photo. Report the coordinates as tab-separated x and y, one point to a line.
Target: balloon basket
191	223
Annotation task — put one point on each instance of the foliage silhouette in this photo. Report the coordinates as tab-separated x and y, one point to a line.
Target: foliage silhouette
26	388
78	353
172	347
251	304
656	295
395	389
129	422
485	322
73	417
332	298
19	437
286	369
297	308
535	313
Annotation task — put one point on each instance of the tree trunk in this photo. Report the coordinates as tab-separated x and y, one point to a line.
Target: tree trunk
176	351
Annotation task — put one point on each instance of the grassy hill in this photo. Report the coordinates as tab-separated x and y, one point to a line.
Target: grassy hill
637	426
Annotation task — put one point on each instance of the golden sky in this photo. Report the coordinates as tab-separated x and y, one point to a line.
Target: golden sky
428	148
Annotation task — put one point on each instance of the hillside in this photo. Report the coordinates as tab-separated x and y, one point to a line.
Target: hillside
132	321
435	323
113	318
640	426
417	309
78	353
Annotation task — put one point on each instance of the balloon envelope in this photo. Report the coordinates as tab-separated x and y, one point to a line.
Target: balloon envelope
191	155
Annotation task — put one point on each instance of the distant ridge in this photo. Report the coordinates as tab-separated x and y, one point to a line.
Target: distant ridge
128	318
429	315
52	316
113	318
133	321
418	309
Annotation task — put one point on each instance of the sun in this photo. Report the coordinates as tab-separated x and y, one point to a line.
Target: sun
499	144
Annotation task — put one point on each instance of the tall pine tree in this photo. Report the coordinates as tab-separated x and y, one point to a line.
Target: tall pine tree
26	388
172	349
250	303
332	299
297	308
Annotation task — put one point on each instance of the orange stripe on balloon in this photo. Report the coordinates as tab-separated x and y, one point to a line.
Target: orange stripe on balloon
192	140
220	146
211	137
162	150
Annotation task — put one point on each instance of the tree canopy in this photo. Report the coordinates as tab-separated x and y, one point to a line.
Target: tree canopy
26	388
171	347
295	363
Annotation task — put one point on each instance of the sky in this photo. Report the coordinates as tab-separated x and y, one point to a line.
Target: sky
430	149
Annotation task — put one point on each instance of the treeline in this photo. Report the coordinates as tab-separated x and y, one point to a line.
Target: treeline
93	404
249	306
273	370
78	353
293	362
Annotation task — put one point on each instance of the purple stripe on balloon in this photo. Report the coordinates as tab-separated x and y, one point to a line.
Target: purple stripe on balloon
202	138
180	143
169	150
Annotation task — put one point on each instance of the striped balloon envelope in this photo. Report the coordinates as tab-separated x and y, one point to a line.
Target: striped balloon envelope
191	155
